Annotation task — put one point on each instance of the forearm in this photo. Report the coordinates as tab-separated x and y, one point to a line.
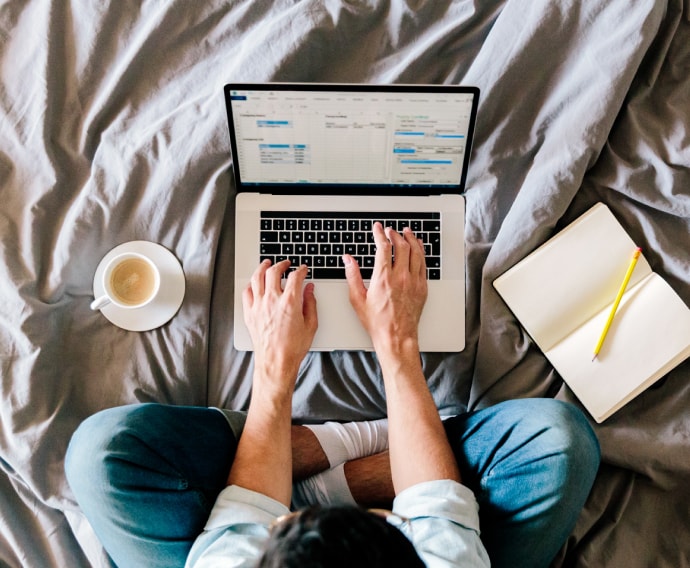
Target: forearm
369	480
282	322
308	457
419	448
336	462
263	461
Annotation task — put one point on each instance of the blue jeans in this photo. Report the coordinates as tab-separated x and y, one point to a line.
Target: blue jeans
146	476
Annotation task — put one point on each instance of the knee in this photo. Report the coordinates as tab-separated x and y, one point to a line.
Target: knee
570	431
87	461
565	435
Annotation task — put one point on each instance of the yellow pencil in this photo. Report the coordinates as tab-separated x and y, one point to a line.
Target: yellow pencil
617	301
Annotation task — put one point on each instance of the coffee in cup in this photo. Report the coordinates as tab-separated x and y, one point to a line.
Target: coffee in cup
130	280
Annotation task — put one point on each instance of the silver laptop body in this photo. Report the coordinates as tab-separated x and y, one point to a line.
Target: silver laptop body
316	164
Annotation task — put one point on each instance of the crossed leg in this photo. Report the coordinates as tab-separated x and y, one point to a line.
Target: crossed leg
146	476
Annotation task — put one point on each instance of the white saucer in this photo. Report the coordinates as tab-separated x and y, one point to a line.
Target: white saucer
169	299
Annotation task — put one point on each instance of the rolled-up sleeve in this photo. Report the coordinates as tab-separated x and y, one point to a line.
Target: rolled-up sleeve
236	530
444	521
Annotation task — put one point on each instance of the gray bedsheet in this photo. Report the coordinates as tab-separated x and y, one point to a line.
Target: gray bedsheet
113	128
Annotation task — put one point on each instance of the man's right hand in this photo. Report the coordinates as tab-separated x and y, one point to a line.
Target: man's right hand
390	311
282	322
392	306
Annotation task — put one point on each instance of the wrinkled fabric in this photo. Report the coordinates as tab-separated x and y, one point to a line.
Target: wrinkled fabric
113	128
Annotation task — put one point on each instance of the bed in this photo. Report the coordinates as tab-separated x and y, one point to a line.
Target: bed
113	129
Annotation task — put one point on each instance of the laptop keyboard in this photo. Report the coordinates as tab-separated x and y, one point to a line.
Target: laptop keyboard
319	239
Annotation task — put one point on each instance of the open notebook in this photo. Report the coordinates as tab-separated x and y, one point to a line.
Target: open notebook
562	294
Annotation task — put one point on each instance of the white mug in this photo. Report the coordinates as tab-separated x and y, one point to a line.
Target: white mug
130	280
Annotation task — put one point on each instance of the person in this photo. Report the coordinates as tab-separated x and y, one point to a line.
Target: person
164	485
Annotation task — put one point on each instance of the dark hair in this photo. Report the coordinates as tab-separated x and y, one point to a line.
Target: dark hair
335	537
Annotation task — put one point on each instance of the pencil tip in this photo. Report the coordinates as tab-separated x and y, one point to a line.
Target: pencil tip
595	356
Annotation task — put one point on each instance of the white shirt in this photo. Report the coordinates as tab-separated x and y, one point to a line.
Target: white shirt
443	515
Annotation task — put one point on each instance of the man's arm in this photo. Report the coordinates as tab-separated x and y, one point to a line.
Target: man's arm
308	457
368	478
390	311
282	324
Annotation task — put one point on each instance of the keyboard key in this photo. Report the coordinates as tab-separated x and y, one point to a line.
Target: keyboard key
431	225
269	236
329	273
271	248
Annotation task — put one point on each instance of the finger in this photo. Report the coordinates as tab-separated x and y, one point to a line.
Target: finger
274	275
295	280
247	304
355	284
382	259
401	250
247	298
422	252
416	254
309	307
258	279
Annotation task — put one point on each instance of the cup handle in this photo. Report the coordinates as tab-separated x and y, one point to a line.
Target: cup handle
99	303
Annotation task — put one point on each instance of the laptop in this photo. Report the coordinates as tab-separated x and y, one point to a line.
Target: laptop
315	165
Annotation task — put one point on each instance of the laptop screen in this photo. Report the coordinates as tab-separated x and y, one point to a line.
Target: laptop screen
353	135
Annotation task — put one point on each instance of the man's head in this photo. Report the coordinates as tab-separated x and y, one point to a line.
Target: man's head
333	537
